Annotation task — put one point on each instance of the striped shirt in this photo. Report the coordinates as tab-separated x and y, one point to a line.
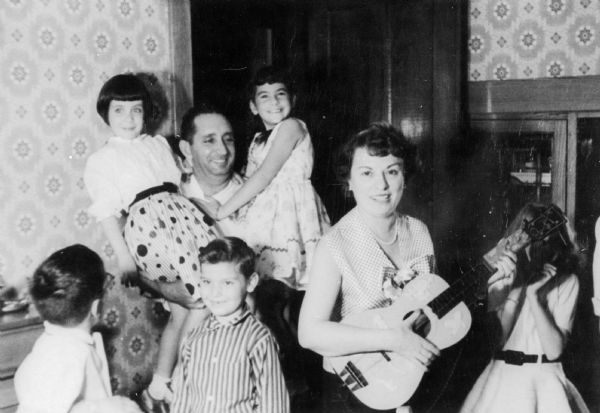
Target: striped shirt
231	367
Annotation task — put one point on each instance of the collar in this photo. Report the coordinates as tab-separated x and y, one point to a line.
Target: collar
118	139
213	323
70	333
195	190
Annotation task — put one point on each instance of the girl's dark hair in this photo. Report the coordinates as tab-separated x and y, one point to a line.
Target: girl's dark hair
380	139
126	87
560	248
64	286
270	75
266	75
230	249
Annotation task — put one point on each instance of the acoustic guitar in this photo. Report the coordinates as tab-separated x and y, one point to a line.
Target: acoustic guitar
385	380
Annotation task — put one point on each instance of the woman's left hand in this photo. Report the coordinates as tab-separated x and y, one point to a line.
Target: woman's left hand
209	206
548	272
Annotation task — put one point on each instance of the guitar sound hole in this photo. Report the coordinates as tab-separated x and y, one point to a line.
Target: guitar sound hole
422	325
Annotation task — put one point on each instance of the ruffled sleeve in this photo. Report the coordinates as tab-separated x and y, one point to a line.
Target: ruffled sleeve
106	199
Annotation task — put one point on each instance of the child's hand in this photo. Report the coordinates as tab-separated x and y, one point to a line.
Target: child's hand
548	272
209	206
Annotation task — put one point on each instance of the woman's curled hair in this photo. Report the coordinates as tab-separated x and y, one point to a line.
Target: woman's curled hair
379	139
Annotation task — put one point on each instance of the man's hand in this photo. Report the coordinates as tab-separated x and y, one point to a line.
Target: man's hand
128	271
174	292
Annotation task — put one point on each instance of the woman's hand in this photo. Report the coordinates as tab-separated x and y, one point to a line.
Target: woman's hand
128	270
548	272
209	206
411	345
501	282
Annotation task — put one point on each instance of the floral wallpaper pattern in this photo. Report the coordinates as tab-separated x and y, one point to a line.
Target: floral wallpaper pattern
526	39
54	57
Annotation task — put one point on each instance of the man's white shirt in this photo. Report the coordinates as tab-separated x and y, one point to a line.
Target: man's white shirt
192	189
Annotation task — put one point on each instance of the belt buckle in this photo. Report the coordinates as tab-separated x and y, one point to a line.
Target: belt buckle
514	357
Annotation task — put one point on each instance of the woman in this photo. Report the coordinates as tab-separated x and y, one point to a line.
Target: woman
536	313
347	270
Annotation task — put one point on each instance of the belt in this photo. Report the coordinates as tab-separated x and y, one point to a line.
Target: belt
518	358
165	187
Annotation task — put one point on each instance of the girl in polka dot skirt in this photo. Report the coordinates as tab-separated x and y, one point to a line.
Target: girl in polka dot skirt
134	176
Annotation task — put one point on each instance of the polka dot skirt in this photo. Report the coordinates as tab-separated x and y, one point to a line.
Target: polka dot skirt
164	233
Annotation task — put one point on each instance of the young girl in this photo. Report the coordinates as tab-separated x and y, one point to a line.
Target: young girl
536	312
283	215
135	175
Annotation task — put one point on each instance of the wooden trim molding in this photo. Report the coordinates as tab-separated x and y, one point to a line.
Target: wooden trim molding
181	76
535	95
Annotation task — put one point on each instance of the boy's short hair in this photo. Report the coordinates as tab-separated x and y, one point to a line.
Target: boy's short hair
230	249
127	87
64	286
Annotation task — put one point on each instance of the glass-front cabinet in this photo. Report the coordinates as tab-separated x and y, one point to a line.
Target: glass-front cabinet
510	162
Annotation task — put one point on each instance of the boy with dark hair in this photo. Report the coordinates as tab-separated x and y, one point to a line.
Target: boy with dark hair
231	362
66	370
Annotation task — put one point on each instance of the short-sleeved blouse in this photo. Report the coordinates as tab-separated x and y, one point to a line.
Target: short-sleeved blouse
561	303
361	260
122	168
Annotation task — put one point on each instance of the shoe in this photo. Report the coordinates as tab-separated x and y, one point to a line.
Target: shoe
150	405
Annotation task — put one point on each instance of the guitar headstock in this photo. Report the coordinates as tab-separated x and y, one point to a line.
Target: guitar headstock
550	220
545	224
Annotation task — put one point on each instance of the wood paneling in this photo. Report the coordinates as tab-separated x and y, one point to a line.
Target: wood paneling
181	75
539	95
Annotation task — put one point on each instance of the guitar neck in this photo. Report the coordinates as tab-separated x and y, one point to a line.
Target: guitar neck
463	290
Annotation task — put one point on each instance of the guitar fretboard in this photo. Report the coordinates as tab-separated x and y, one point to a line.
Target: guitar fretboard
462	289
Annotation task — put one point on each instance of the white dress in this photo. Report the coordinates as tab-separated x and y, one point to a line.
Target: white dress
285	221
164	231
531	387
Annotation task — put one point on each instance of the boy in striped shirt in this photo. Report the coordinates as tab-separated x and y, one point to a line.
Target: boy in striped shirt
229	364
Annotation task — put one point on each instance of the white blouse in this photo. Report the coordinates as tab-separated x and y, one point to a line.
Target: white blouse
122	168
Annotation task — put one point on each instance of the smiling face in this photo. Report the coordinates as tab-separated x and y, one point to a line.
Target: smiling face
213	147
377	182
272	102
126	118
223	288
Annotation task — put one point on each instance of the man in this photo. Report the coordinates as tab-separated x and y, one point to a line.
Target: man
208	147
207	143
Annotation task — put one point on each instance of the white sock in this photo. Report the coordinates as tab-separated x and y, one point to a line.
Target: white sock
159	387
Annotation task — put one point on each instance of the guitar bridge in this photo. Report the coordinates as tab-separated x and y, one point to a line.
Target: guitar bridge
352	377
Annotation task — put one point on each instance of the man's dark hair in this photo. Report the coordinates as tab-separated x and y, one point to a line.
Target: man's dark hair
188	127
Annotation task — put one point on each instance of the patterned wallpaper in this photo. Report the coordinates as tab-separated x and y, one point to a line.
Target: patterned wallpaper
525	39
54	57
